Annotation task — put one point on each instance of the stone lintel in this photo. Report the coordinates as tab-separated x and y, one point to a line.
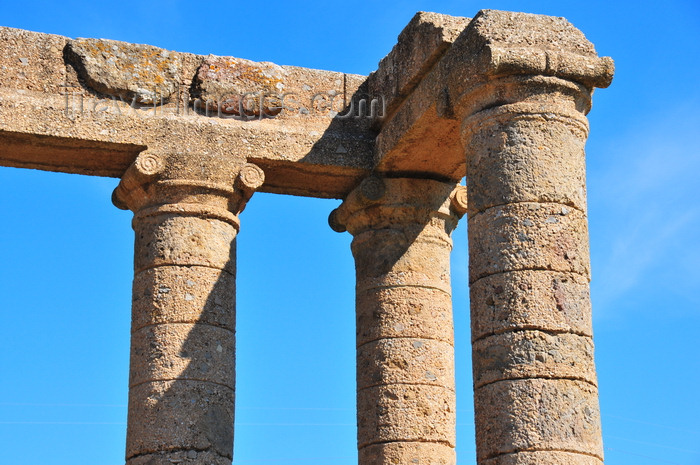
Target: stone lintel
66	154
72	106
89	106
422	133
415	127
420	45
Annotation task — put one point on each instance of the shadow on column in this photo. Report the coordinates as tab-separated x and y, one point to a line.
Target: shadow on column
182	378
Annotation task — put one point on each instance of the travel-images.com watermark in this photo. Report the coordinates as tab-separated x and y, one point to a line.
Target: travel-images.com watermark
246	107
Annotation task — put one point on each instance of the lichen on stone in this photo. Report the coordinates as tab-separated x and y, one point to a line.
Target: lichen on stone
240	87
137	73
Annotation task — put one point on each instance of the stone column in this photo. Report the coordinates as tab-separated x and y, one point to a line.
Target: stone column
524	129
405	356
181	382
536	394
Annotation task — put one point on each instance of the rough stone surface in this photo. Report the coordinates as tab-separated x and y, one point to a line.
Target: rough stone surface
240	87
503	43
528	236
420	45
32	61
423	124
184	294
405	413
182	351
189	241
526	158
143	73
397	257
404	312
495	44
398	453
405	357
544	457
182	378
304	150
180	415
530	299
533	354
190	457
521	101
405	361
532	414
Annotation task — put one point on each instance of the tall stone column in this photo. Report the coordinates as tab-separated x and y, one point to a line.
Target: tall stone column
405	356
536	393
524	129
181	382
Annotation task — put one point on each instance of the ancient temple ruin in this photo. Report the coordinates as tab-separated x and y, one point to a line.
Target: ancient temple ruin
499	99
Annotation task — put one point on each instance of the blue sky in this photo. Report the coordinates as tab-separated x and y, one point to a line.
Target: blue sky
67	252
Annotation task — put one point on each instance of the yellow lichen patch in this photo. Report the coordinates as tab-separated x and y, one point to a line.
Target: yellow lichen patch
240	86
128	70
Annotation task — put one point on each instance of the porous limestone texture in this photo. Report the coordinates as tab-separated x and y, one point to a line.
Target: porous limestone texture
90	106
524	131
417	123
141	73
418	48
240	87
405	354
182	370
544	458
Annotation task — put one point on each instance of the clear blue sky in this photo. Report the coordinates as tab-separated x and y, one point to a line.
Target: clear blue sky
67	252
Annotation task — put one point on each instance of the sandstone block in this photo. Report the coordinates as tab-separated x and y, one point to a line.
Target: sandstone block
526	236
526	158
182	351
543	457
400	257
180	415
181	457
403	412
170	239
398	203
408	312
410	453
564	52
530	299
31	61
240	87
184	294
420	45
531	414
143	73
533	354
405	361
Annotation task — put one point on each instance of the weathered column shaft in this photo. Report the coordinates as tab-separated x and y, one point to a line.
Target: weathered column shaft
535	385
521	85
405	355
182	379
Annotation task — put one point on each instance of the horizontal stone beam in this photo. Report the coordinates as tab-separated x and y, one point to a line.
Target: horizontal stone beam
416	136
89	106
463	59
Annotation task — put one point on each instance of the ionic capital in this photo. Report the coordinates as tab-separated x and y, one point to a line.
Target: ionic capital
379	203
200	185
